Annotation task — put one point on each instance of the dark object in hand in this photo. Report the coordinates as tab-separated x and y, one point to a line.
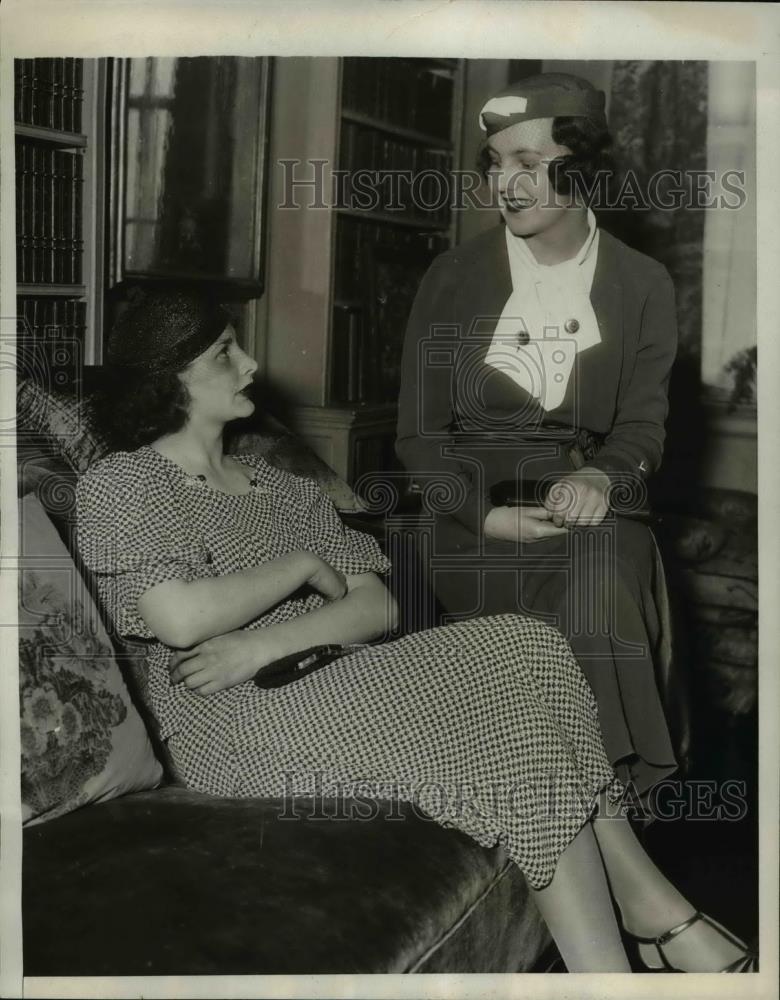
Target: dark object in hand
533	492
520	493
291	668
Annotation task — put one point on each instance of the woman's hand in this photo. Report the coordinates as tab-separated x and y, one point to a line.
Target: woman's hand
579	498
221	662
328	581
521	524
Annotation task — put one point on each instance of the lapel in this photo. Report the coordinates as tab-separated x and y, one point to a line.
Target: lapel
486	287
602	365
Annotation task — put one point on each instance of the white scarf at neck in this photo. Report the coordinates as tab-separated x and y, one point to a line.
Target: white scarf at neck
547	319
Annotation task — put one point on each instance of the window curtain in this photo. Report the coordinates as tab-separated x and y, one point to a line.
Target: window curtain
730	234
658	118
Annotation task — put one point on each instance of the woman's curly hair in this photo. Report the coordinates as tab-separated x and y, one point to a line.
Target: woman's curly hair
136	408
156	331
581	170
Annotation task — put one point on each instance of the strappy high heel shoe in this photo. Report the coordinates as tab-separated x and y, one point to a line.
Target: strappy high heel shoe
748	962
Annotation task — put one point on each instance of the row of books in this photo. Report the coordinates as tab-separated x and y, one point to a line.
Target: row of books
412	179
49	92
51	334
355	240
366	356
378	274
52	318
411	93
360	372
49	186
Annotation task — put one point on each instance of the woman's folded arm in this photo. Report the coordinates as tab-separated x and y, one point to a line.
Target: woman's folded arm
367	612
182	614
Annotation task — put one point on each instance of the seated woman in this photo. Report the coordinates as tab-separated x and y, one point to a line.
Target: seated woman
226	564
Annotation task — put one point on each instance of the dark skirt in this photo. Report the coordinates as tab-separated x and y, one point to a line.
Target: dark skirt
604	589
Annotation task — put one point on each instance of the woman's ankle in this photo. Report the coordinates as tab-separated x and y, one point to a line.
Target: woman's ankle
640	918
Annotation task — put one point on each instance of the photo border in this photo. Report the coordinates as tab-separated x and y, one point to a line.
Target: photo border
468	29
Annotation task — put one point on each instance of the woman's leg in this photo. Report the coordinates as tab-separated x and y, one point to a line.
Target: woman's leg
650	904
577	908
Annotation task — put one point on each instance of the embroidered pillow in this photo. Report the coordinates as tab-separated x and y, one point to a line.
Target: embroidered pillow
82	739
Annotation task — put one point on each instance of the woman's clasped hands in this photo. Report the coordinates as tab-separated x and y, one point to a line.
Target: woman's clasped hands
579	498
582	497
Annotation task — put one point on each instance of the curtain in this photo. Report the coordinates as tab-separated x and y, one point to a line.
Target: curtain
658	118
730	235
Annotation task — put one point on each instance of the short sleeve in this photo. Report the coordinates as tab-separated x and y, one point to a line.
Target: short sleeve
324	533
132	535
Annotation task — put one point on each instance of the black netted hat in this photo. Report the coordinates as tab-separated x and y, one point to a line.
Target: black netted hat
163	329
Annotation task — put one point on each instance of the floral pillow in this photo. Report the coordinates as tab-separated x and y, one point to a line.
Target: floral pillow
82	739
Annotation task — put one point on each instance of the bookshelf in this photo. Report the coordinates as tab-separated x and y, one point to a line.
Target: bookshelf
57	114
389	127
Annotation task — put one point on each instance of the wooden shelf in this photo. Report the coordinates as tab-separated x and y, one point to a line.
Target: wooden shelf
67	140
424	138
60	291
390	218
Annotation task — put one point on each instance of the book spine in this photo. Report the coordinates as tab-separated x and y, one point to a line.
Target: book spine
47	224
34	94
78	93
56	216
29	98
76	230
21	234
19	82
29	214
56	95
67	94
66	162
36	318
36	214
356	386
47	93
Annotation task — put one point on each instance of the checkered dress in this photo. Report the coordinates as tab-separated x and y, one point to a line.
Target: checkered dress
487	726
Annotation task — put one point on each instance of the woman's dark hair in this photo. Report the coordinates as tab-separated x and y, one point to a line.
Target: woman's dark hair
133	408
156	331
589	162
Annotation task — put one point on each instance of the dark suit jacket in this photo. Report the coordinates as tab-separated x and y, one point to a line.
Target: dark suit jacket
463	422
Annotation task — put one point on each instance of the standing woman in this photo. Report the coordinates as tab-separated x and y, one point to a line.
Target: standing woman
540	352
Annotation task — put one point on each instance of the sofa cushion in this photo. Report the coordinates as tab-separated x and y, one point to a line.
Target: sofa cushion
179	883
82	739
61	420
